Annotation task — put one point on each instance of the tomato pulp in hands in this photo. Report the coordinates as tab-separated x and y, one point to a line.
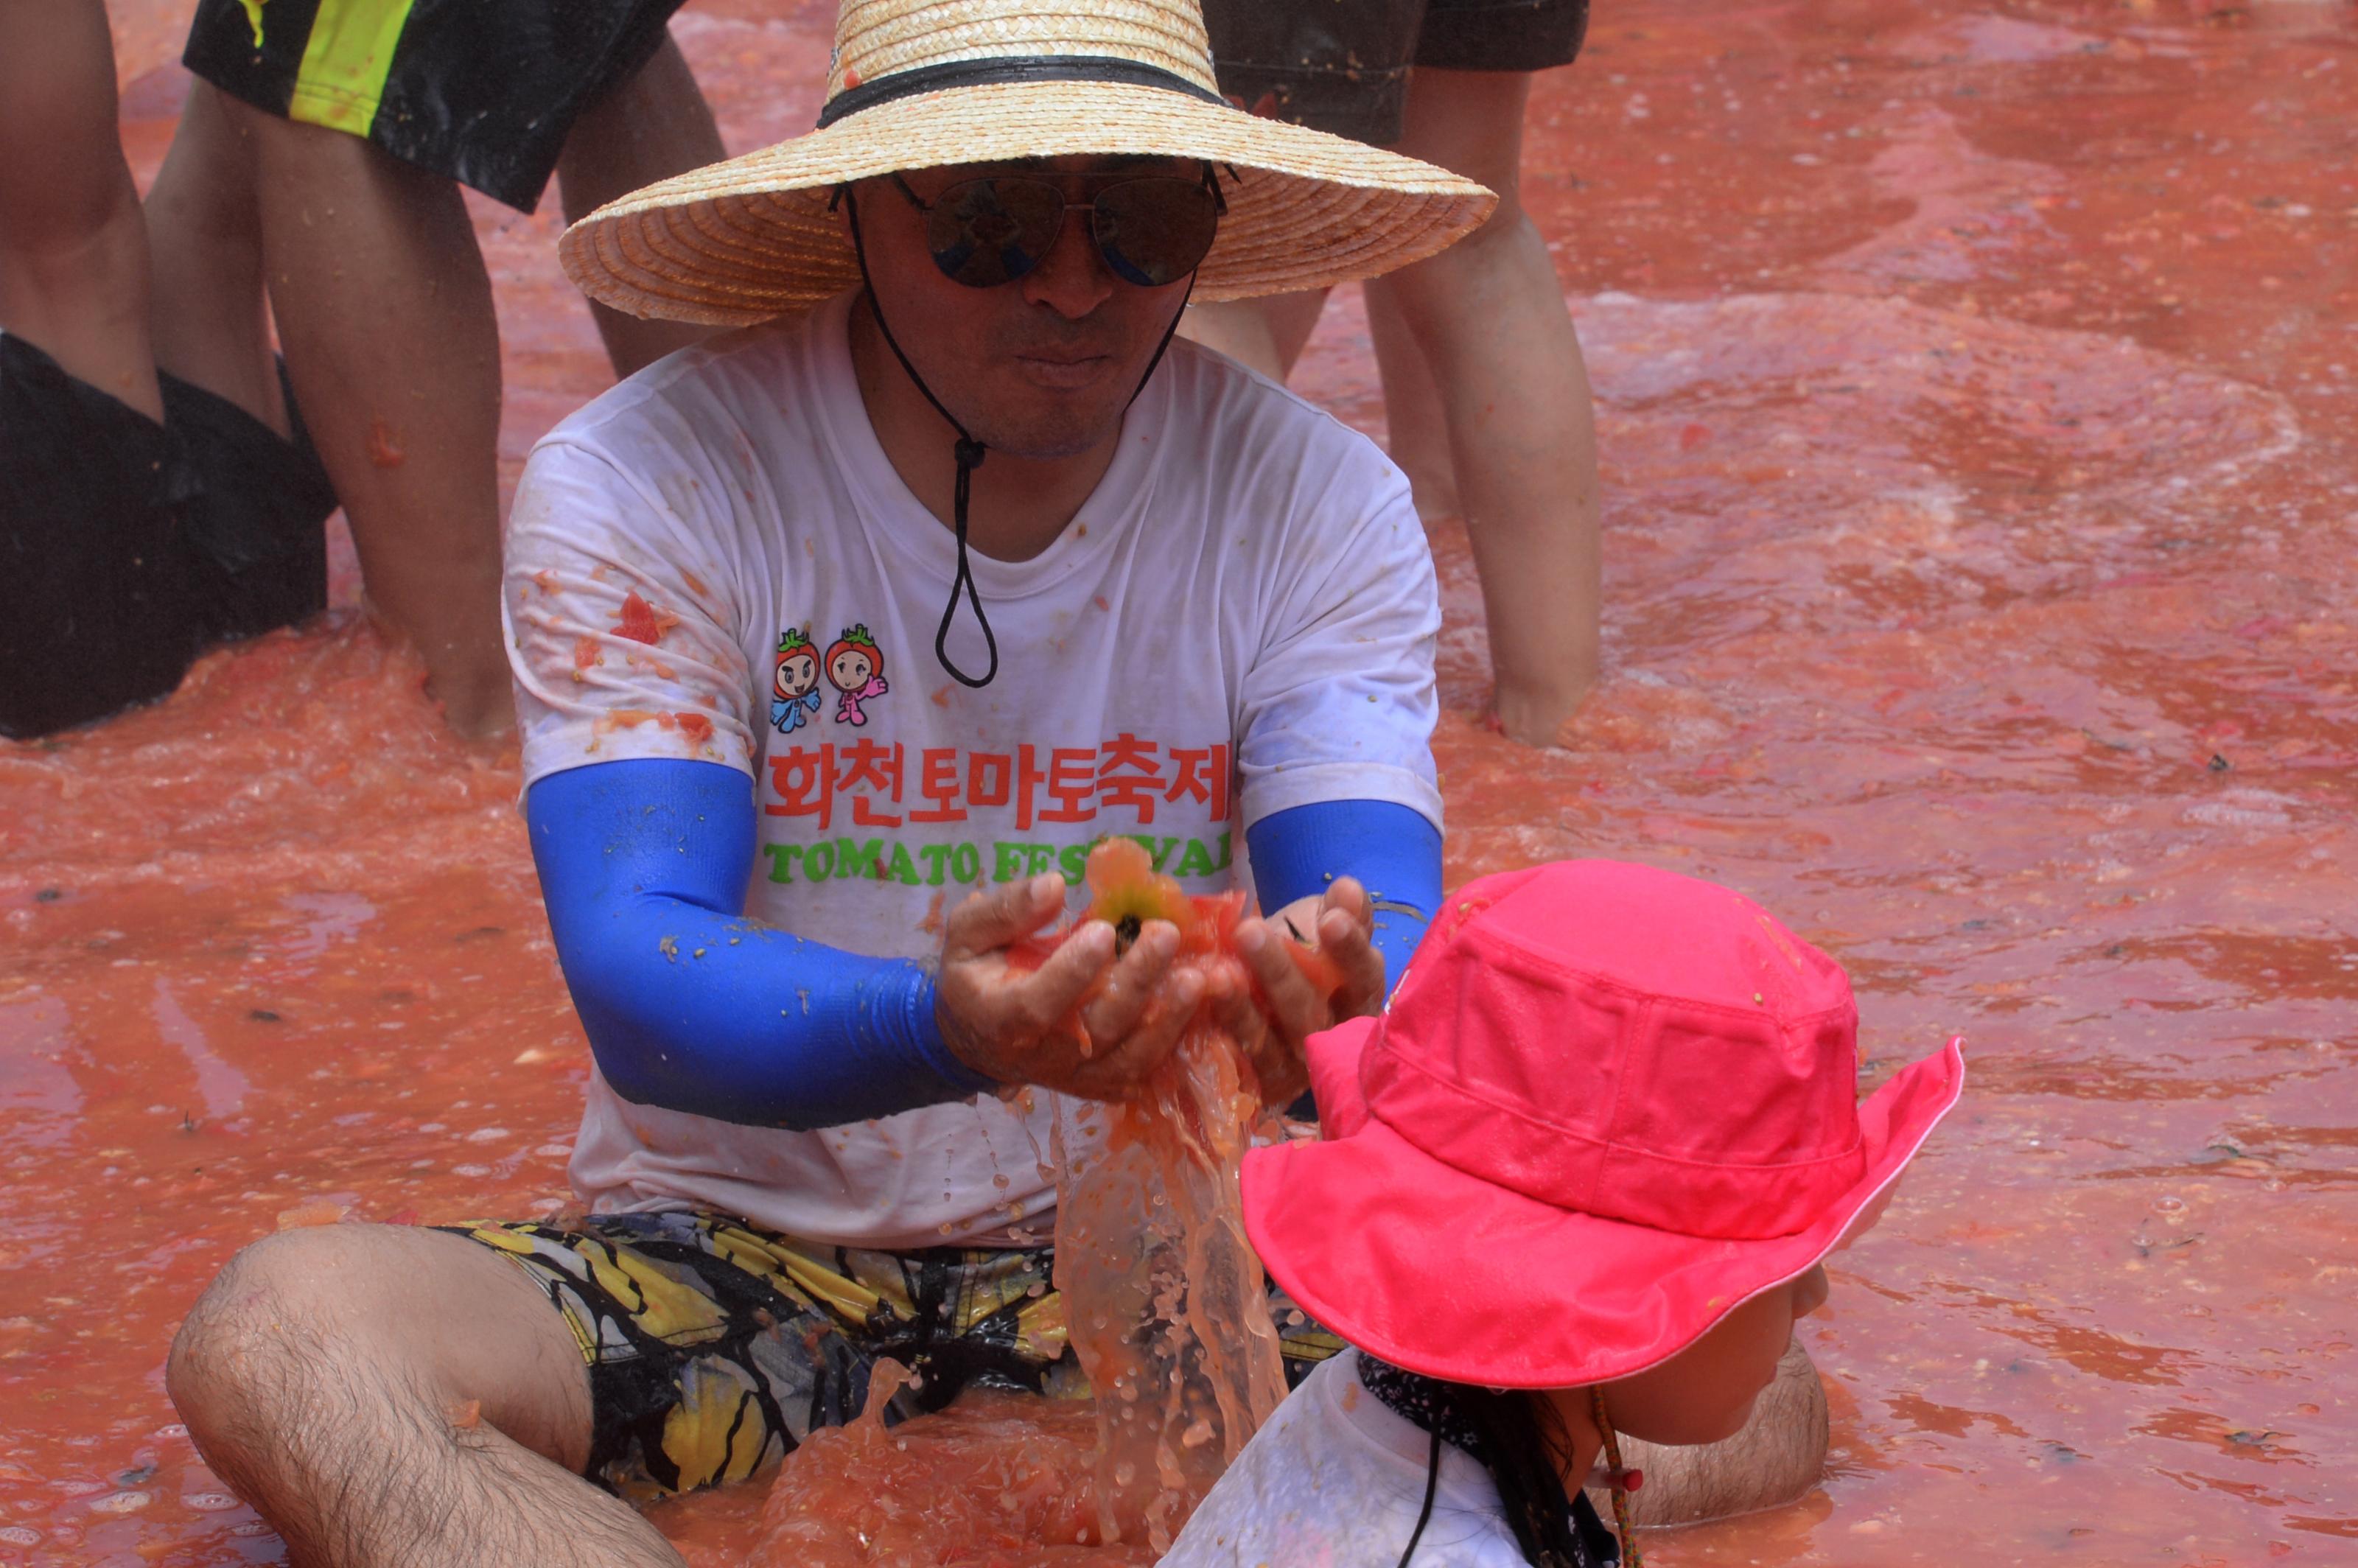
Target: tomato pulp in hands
1128	894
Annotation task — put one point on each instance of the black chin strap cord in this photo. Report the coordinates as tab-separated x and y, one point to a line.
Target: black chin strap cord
969	454
1432	1486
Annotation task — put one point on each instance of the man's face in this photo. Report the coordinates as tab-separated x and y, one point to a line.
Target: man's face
1041	367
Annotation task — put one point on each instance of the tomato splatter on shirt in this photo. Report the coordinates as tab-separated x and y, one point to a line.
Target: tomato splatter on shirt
629	719
643	622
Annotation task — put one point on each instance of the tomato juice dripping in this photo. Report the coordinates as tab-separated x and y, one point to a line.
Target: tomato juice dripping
1978	397
1165	1299
1165	1307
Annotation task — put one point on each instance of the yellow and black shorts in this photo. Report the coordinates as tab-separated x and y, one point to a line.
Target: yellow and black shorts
715	1348
484	91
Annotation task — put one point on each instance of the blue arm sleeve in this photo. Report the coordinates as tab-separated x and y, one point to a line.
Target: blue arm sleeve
689	1005
1393	851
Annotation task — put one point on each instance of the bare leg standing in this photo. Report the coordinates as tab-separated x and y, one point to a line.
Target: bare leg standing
204	233
1419	428
653	126
1487	398
73	249
384	307
385	310
1488	314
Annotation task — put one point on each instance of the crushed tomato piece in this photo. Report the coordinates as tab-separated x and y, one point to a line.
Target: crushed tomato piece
643	622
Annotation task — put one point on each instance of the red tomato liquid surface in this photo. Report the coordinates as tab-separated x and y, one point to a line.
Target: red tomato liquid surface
1976	386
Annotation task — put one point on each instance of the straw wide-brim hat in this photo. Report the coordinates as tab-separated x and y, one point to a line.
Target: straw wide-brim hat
922	83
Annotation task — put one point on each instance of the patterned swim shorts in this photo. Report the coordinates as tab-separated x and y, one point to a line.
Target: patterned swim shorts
714	1347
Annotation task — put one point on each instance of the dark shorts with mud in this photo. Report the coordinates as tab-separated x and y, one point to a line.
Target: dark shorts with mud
715	1348
127	547
1342	65
483	92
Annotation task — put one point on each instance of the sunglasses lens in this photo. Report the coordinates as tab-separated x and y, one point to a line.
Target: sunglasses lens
1156	231
984	233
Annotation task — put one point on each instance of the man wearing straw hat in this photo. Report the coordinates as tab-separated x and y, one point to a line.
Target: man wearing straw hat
1065	579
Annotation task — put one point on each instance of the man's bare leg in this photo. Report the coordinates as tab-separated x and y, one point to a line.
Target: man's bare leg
73	251
384	309
389	1396
204	230
650	127
1418	428
1488	313
1775	1460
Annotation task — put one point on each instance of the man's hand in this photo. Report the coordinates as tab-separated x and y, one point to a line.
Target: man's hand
1019	1027
1272	1024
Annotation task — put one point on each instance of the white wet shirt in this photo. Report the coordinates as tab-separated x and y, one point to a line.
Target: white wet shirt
1336	1480
715	561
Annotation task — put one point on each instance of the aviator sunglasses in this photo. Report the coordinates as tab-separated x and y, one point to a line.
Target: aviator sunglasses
1151	230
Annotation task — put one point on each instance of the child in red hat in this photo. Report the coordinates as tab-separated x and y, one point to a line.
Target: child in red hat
1579	1178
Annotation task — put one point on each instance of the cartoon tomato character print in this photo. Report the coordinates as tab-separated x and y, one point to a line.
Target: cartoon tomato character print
795	697
855	667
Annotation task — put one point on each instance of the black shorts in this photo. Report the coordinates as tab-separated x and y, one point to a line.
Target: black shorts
127	547
1342	65
484	91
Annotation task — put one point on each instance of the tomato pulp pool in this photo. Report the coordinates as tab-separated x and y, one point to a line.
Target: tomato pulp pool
1976	385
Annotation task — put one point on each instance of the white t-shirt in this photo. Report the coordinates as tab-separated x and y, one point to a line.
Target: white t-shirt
1336	1480
1240	620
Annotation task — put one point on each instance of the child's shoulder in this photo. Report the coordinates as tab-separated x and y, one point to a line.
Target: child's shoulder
1326	1481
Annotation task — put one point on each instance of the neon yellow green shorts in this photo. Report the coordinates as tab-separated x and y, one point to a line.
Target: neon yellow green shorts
484	91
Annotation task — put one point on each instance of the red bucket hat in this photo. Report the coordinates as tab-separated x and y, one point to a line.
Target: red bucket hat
1606	1105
